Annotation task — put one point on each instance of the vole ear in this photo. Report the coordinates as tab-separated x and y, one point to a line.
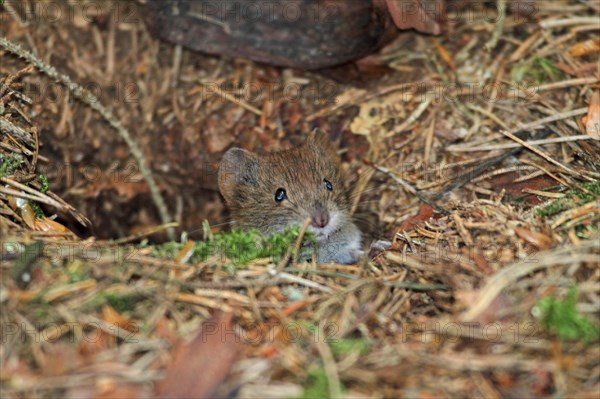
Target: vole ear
320	140
238	167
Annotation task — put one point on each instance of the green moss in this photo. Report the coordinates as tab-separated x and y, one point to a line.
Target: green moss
37	210
44	182
342	347
9	164
572	199
122	302
41	310
166	250
240	247
562	318
553	208
94	303
317	385
77	271
594	192
536	70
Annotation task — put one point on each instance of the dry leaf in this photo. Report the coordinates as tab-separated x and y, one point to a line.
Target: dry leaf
539	240
129	189
592	120
99	341
424	214
116	319
408	14
584	48
490	313
373	114
60	359
199	367
63	291
49	225
185	253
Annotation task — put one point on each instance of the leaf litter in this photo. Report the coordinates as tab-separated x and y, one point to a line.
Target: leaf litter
490	288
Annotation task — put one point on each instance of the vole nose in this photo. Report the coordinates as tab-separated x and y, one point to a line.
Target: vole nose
320	218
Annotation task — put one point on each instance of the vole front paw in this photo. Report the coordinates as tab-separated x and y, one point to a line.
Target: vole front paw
377	247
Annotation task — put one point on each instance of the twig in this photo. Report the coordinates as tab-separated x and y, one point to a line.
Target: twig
464	233
559	23
494	147
478	170
412	117
567	83
491	44
551	118
590	207
535	124
489	114
540	193
526	45
417	287
28	189
299	239
234	100
508	275
333	378
326	273
207	18
34	197
305	282
8	127
429	138
409	188
483	362
145	233
236	284
547	172
176	68
540	153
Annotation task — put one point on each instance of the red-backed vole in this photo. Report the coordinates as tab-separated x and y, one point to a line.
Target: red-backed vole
282	189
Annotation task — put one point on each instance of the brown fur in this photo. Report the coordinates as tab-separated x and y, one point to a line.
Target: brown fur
248	183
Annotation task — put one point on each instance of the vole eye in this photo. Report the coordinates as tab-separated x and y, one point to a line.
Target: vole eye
280	195
328	185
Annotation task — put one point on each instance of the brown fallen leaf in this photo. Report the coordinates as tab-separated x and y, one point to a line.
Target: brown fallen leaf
199	367
592	119
121	391
490	313
444	54
117	320
60	359
49	225
425	212
28	216
587	47
62	291
409	14
538	240
185	253
99	341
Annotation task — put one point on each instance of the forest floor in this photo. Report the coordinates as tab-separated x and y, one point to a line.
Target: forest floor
490	289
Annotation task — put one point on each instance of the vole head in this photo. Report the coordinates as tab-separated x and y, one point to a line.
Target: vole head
282	189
